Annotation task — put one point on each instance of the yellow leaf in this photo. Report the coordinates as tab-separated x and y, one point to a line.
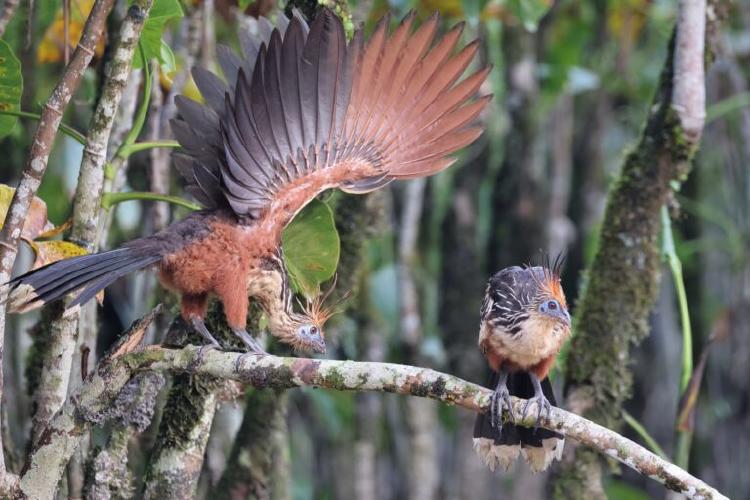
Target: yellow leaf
626	19
36	221
52	46
54	231
47	252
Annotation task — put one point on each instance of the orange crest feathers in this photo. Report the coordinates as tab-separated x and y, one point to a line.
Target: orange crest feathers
550	281
316	309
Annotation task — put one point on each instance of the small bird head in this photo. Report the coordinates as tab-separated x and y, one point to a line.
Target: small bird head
310	335
549	300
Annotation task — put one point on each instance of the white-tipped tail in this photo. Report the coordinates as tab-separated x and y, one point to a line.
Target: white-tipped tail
493	455
540	457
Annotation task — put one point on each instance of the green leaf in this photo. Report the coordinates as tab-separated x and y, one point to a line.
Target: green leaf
311	247
11	84
153	30
166	57
529	12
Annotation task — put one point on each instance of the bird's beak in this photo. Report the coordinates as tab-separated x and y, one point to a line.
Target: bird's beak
316	342
319	347
564	315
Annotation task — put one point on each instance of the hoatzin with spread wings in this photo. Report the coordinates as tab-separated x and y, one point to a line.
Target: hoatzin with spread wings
524	323
302	111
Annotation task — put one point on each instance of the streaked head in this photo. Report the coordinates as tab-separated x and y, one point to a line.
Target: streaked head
517	294
549	299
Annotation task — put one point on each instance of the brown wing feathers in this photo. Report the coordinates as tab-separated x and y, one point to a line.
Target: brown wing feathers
391	107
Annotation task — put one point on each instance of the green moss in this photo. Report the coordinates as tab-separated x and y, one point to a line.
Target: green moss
277	378
574	480
183	411
624	277
41	334
335	380
248	473
623	280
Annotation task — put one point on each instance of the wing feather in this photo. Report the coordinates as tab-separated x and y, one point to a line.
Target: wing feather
304	111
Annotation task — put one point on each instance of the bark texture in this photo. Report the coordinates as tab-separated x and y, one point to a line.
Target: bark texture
249	473
93	404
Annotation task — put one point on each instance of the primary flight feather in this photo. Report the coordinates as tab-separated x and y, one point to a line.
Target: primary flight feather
301	111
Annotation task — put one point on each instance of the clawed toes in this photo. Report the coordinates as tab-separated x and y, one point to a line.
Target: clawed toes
196	363
543	406
500	399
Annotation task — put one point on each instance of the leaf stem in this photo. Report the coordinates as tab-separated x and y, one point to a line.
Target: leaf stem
643	433
684	438
140	117
111	199
128	149
66	129
668	248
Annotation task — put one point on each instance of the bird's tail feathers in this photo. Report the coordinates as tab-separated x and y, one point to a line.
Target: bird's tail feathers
500	447
86	274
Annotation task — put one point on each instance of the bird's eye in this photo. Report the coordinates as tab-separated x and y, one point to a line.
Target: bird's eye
313	330
552	305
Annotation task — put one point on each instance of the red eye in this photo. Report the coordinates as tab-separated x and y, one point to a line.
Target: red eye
552	305
313	330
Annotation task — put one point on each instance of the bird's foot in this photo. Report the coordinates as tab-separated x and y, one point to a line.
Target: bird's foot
196	363
499	399
200	327
253	346
543	405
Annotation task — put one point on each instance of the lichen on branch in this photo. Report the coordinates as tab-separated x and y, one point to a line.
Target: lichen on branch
46	462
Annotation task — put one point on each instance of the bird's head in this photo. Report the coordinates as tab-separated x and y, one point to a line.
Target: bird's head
304	330
521	298
309	336
316	311
548	303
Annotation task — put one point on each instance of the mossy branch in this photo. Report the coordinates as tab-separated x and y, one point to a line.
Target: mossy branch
91	404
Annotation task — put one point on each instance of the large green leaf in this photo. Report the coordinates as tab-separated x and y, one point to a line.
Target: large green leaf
311	247
153	29
11	84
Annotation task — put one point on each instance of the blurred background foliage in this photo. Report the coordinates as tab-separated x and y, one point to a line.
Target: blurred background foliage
572	81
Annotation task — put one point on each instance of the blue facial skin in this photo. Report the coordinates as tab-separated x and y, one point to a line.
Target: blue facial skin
554	309
313	338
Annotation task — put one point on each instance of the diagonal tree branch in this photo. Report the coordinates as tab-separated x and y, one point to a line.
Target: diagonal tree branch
92	405
41	146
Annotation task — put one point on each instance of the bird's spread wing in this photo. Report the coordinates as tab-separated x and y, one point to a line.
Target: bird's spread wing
304	111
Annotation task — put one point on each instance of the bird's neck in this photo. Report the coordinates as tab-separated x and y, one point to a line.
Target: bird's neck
269	285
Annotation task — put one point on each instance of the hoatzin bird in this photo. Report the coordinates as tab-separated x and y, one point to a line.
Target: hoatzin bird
300	112
524	323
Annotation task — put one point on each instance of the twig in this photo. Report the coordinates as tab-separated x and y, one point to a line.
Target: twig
91	405
59	359
41	145
689	90
91	176
421	415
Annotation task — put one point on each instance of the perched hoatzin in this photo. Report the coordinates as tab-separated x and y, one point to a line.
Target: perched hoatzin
524	323
302	111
